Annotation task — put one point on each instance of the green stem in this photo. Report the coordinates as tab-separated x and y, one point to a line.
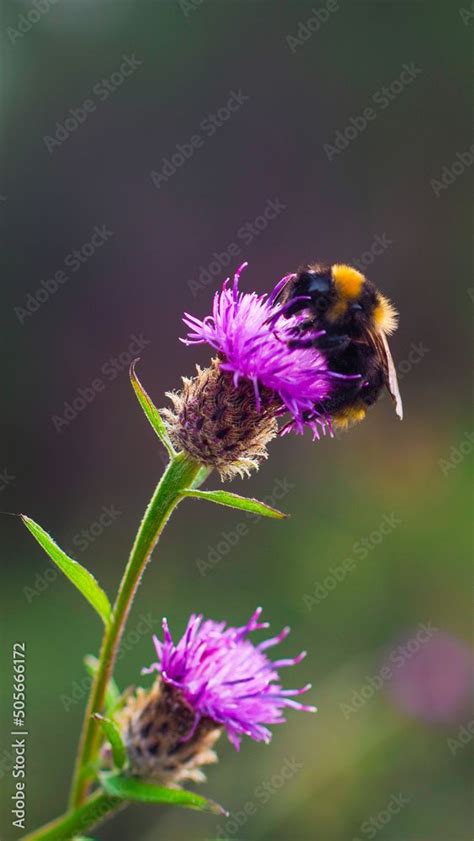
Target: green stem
77	821
181	473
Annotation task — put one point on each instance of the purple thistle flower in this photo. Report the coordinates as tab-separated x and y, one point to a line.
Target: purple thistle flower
254	338
226	678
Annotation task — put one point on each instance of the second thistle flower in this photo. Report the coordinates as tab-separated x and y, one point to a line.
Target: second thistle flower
214	678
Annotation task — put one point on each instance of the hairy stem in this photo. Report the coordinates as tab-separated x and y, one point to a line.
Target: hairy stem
77	821
181	473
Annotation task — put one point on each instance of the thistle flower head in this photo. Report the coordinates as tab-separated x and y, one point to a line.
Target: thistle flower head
225	679
254	339
226	415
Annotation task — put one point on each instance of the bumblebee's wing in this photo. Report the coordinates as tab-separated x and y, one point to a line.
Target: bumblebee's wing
379	341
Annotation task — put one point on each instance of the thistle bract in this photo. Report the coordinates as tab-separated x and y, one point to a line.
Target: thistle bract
165	743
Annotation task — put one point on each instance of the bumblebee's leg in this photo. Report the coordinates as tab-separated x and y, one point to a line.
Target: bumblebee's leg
307	324
370	391
302	329
334	344
301	343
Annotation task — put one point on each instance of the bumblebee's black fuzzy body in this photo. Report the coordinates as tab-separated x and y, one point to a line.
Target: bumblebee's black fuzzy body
355	317
360	359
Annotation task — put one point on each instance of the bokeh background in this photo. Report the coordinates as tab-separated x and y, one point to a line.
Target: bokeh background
373	569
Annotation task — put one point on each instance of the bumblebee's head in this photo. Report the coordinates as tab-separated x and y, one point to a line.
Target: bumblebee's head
315	281
343	298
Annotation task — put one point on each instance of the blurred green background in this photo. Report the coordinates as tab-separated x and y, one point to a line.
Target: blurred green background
379	542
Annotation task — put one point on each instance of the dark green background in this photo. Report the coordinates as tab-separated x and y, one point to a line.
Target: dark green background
338	491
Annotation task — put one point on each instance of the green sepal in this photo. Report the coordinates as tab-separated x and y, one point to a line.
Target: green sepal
119	752
201	476
151	411
77	574
131	788
235	501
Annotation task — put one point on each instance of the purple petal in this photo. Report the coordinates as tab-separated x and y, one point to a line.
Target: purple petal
212	664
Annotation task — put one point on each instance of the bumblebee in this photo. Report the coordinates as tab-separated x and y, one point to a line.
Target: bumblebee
356	319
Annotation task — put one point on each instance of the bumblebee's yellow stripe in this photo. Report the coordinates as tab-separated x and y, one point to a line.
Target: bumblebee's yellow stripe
348	281
385	315
348	416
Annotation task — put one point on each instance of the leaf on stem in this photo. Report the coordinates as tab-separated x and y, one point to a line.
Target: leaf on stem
236	501
201	476
77	574
112	733
131	788
151	411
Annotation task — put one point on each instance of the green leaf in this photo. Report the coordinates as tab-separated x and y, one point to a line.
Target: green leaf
151	411
131	788
236	501
112	695
80	577
112	733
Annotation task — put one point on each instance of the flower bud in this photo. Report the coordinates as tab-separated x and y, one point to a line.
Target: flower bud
165	741
221	424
